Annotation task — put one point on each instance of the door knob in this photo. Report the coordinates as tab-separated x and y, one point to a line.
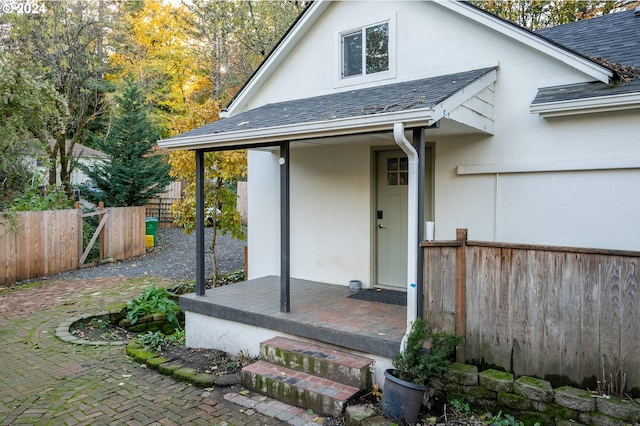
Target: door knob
380	226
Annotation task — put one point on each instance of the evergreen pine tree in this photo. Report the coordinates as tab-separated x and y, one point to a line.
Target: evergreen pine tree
133	172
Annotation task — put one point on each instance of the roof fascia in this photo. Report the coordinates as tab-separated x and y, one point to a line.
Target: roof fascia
532	40
587	106
319	129
301	26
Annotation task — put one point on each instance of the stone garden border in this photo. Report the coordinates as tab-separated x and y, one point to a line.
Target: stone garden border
531	399
63	331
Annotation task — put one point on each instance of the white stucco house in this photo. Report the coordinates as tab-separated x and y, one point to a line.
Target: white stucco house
370	118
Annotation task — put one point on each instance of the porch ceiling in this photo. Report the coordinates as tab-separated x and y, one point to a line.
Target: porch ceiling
460	102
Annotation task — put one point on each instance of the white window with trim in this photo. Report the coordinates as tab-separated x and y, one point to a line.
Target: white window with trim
367	53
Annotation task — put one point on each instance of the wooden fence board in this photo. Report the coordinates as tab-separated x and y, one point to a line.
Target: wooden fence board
630	331
611	319
7	253
544	311
569	305
475	309
49	242
590	280
124	233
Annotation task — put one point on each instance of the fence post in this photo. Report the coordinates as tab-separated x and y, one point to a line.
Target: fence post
102	233
461	291
76	205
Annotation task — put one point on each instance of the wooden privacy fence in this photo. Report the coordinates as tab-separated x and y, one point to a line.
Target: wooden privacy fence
43	243
49	242
538	310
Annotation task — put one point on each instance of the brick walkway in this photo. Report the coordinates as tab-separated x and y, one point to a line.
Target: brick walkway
46	381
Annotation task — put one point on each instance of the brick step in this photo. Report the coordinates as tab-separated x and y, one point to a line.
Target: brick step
323	396
342	367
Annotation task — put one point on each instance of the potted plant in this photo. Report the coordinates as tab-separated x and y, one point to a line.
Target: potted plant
405	384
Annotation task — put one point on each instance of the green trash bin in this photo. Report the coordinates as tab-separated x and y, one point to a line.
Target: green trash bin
152	231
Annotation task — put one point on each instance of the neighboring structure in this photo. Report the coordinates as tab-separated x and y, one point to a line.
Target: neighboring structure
82	154
518	138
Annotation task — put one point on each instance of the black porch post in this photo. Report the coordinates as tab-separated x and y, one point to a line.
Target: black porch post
200	283
418	143
285	269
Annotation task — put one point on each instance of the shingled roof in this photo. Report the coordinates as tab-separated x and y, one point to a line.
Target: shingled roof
409	95
615	37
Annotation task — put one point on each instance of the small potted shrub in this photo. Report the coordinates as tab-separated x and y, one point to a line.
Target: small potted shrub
405	384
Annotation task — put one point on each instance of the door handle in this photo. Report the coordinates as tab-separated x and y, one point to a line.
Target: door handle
380	226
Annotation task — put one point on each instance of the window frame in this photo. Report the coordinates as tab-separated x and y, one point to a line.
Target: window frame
365	77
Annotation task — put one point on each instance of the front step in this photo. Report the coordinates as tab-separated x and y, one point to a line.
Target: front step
308	375
323	396
342	367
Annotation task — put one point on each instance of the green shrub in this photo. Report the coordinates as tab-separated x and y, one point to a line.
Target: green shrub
154	301
416	365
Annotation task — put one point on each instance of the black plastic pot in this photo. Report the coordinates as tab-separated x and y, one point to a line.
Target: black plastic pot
401	400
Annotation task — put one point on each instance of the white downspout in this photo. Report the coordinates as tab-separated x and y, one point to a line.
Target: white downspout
412	228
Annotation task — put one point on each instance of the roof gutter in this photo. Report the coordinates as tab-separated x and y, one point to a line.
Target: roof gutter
412	228
587	106
336	127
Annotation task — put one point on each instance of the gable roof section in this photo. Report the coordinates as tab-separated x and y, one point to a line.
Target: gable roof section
615	37
310	15
418	102
531	39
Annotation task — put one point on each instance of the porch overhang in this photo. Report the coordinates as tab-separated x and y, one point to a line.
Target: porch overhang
465	98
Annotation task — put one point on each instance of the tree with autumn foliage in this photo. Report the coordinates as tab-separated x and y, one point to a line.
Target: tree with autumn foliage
222	171
536	14
234	37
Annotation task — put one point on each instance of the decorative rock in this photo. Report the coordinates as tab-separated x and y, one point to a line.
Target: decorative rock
184	374
597	419
140	355
497	381
618	408
228	380
463	374
575	399
153	363
514	401
168	368
532	388
478	392
204	380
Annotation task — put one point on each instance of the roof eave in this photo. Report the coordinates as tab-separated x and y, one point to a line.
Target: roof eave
587	105
319	129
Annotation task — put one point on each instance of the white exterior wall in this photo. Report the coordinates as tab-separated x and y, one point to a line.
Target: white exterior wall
330	213
331	228
583	208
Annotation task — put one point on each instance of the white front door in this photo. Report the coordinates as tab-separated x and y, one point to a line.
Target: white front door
391	218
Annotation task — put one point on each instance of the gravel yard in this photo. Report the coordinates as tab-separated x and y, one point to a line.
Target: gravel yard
174	257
